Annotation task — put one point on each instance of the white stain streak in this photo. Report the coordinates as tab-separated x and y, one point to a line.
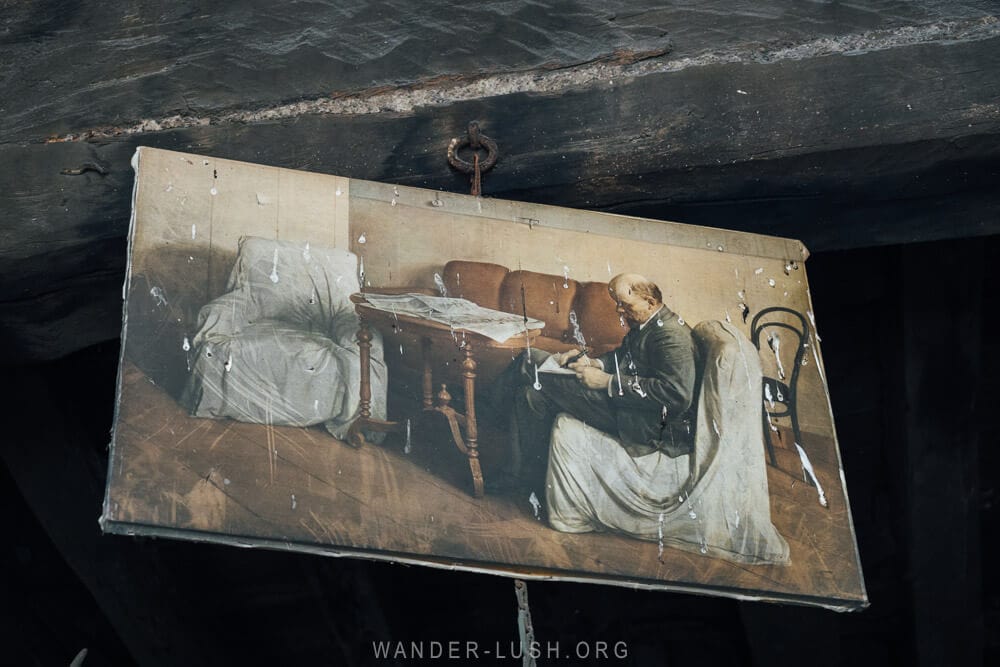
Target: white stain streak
536	504
577	332
774	342
306	256
194	232
294	504
439	282
659	538
274	268
161	299
807	468
408	447
618	374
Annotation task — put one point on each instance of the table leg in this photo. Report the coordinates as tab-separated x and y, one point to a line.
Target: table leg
428	375
354	435
471	430
364	422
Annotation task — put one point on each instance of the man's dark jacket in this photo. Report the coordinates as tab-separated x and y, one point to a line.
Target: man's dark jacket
653	386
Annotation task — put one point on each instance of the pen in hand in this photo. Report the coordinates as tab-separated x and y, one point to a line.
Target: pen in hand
575	358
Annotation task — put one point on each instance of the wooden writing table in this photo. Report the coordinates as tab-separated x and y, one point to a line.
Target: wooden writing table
430	333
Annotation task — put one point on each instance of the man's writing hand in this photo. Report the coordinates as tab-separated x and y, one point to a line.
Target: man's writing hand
592	377
562	357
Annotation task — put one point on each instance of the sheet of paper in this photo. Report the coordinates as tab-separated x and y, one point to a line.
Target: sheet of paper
550	366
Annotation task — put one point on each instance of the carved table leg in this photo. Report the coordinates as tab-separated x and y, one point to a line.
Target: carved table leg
428	375
355	437
471	430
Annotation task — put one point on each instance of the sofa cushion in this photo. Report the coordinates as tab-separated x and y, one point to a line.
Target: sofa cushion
547	297
596	312
478	282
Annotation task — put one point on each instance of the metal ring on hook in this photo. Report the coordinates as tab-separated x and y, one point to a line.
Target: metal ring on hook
475	141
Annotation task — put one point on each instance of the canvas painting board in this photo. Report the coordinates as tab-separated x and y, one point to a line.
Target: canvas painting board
241	379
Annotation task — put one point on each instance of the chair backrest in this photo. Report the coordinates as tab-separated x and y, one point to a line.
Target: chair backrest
296	282
766	331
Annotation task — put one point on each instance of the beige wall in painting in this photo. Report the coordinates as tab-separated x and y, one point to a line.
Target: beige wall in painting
409	234
191	211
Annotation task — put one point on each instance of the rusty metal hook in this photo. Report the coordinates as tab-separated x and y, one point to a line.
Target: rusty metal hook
476	141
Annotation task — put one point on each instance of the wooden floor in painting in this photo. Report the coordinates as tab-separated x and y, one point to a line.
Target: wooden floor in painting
301	485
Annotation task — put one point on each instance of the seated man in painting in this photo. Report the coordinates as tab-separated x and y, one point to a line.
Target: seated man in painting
641	393
644	445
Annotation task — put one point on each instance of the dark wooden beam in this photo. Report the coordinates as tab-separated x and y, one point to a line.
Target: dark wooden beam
866	128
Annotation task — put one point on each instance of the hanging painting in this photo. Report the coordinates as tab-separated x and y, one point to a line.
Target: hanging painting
350	368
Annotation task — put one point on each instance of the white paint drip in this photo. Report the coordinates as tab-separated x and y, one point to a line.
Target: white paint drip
294	504
362	239
214	191
316	406
186	345
715	427
161	299
229	363
536	504
312	296
274	268
577	332
306	256
774	342
439	283
395	196
768	395
618	374
770	422
812	320
361	271
408	446
808	469
538	385
728	319
758	271
565	277
194	232
659	537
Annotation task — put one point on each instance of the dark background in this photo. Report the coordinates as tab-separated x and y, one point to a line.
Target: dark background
870	132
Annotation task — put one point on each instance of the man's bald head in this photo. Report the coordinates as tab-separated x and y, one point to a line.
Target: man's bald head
637	285
638	298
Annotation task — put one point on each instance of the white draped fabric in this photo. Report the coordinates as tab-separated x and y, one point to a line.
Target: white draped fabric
279	346
714	501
